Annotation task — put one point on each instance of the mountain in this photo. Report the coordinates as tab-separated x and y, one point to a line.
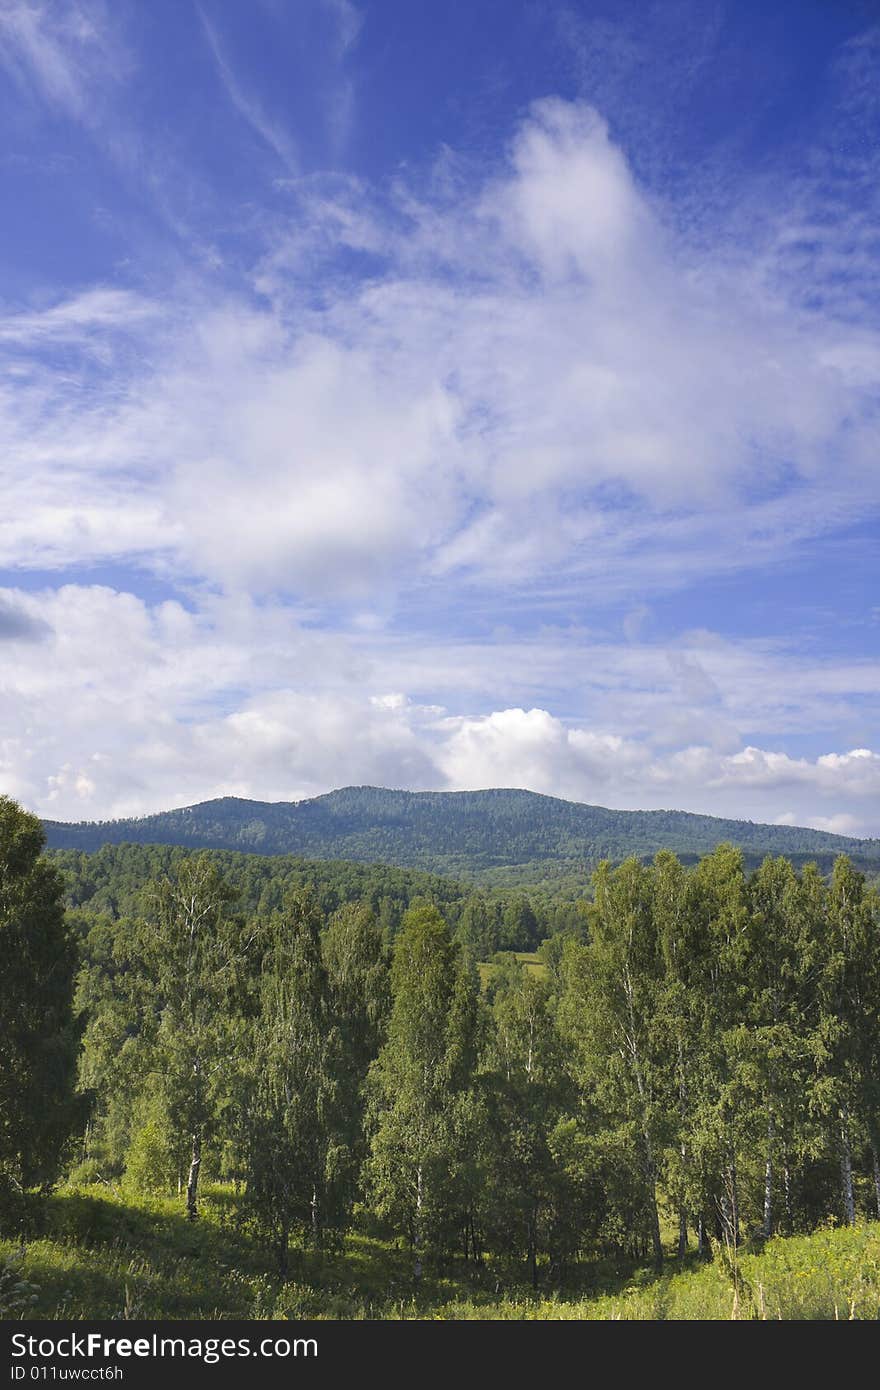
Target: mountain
504	837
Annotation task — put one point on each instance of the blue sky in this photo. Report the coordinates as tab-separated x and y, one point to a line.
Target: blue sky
441	396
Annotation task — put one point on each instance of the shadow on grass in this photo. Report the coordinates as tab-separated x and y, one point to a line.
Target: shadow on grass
102	1255
95	1253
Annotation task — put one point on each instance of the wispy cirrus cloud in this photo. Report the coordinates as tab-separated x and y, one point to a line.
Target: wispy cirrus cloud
349	21
247	103
65	52
83	320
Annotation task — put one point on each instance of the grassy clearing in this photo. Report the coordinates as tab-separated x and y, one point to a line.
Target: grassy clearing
93	1254
488	969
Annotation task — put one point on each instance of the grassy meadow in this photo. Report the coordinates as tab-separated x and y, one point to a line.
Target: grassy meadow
489	970
96	1253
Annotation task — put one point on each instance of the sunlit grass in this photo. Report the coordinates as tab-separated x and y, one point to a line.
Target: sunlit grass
92	1253
488	969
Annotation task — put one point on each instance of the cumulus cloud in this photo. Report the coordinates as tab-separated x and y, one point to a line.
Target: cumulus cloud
128	707
124	707
19	626
530	748
572	205
841	824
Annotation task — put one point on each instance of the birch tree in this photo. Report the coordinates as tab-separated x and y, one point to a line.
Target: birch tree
357	967
296	1159
419	1081
612	990
527	1095
850	1014
189	949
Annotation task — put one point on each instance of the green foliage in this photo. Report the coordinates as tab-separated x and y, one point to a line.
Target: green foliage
99	1254
611	1007
182	993
693	1051
529	1200
423	1113
150	1160
504	837
357	965
112	880
39	1035
294	1136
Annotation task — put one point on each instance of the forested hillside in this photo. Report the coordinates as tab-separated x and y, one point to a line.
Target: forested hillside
117	881
703	1051
243	1043
506	837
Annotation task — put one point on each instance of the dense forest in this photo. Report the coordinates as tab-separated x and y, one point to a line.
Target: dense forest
502	838
701	1047
114	880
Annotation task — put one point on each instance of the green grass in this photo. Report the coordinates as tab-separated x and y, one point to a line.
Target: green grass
488	969
91	1253
97	1255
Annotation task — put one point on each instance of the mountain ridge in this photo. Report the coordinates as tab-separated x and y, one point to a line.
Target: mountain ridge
499	833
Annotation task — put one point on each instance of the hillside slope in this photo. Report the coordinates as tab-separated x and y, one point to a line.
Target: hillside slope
501	835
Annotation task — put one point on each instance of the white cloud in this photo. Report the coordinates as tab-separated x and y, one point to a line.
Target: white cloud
120	707
841	824
86	319
246	103
320	473
66	49
537	381
536	393
572	206
530	748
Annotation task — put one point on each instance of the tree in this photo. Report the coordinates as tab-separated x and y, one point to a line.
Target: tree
612	992
357	971
850	1015
519	927
357	976
477	929
774	969
681	1026
188	954
117	1065
296	1154
39	1036
526	1090
421	1079
723	1114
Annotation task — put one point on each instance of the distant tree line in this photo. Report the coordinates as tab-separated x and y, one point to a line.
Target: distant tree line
703	1044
